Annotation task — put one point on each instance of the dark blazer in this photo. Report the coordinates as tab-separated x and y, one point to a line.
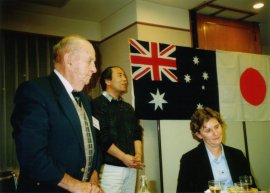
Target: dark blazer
48	135
195	168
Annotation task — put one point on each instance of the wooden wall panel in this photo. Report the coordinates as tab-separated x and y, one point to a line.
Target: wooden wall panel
216	33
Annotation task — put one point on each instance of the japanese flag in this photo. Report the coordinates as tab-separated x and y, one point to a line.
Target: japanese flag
243	81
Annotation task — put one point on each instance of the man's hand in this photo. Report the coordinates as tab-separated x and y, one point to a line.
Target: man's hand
128	160
138	161
132	161
86	187
94	179
75	186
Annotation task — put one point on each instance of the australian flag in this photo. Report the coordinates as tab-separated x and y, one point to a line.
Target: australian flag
171	82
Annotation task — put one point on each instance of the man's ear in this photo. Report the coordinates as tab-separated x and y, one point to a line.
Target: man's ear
67	59
108	82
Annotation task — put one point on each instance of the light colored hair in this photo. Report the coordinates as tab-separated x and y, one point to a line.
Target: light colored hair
67	44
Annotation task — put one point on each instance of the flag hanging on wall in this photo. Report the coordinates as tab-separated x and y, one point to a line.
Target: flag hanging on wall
244	86
171	82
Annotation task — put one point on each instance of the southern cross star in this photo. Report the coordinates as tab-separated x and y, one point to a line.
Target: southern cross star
205	75
199	106
196	60
187	78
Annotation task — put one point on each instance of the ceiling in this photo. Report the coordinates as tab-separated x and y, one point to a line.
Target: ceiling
97	10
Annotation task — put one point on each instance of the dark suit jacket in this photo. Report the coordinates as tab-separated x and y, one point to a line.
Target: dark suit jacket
195	168
48	135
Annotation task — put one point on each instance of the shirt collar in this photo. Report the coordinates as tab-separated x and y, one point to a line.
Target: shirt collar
64	81
109	97
213	158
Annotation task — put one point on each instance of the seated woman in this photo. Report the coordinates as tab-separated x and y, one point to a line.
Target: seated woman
210	160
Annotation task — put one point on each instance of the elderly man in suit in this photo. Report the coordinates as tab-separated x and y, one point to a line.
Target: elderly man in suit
55	135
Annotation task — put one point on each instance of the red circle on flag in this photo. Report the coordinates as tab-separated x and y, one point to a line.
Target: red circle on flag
253	86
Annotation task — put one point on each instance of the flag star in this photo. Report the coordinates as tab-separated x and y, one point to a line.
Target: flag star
199	106
187	78
203	87
205	75
196	60
158	100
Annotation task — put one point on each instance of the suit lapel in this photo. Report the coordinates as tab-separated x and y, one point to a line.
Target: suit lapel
230	162
205	162
67	106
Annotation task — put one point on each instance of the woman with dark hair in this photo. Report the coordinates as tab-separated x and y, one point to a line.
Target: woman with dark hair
210	160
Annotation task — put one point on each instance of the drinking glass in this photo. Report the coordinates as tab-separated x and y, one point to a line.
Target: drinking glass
246	179
214	186
241	187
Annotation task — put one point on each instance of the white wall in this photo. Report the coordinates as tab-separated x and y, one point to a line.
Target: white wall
162	15
258	136
119	20
49	25
176	140
151	155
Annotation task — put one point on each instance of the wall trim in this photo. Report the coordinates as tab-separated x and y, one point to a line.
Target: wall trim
116	33
143	23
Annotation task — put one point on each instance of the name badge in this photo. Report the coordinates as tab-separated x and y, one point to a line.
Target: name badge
95	122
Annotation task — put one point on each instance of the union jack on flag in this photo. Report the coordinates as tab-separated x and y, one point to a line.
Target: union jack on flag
154	59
